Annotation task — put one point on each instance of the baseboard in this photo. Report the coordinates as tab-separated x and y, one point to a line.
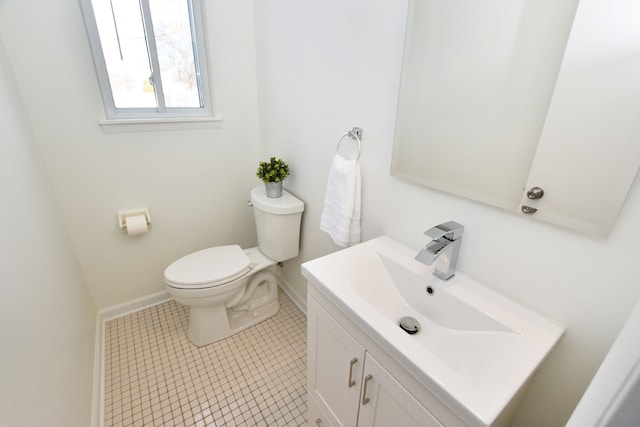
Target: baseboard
286	287
97	400
104	315
132	306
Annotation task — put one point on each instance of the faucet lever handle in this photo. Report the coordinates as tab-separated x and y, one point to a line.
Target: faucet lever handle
450	230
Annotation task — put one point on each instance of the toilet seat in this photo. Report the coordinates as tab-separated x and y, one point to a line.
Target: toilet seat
208	268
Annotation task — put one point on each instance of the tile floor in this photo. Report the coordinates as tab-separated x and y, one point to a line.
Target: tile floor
155	377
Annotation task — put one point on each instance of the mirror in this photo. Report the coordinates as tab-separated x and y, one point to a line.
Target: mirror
528	105
476	83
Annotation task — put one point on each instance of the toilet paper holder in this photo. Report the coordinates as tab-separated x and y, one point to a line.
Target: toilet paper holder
123	215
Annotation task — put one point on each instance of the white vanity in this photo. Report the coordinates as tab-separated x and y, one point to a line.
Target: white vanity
468	364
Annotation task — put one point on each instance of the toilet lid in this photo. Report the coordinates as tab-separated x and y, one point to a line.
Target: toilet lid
208	267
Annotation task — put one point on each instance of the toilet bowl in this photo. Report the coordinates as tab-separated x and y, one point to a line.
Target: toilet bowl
229	289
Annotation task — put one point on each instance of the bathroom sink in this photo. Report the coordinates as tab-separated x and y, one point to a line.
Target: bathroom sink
475	347
424	295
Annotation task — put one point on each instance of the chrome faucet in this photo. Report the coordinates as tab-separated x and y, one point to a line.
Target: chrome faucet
443	249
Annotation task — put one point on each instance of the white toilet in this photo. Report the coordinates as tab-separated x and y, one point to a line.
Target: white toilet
229	289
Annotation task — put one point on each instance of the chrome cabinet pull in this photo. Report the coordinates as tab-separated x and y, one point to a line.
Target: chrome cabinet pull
351	381
365	399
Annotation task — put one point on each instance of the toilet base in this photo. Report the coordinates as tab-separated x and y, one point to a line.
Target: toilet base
211	323
243	320
227	321
200	317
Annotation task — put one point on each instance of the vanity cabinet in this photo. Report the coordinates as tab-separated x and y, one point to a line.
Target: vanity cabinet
469	364
387	402
347	386
335	366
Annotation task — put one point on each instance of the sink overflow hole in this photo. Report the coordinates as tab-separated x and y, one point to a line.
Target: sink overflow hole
430	290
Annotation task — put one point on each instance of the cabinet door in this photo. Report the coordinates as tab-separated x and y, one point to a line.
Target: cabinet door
384	402
588	154
335	368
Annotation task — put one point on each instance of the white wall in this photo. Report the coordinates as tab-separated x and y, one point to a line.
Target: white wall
324	67
47	317
195	182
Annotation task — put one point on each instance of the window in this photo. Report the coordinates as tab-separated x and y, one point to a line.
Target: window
149	57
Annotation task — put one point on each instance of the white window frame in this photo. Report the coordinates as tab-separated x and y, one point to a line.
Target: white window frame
161	114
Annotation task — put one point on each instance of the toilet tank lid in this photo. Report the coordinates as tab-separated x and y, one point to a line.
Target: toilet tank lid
287	204
208	266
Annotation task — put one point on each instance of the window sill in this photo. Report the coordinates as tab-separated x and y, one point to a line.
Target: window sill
159	124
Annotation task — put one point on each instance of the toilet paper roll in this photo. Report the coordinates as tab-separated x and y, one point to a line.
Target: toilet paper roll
136	225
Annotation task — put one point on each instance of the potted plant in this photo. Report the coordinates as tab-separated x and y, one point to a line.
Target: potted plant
272	173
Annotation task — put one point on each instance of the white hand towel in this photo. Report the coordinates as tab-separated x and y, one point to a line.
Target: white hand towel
341	212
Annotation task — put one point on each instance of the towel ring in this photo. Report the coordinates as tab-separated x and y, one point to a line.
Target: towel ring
354	133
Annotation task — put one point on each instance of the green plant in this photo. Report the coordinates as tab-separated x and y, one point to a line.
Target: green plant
275	170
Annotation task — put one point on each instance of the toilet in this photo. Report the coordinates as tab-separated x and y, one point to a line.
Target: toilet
229	289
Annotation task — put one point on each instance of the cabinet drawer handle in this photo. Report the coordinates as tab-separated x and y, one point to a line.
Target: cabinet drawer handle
365	399
351	381
318	421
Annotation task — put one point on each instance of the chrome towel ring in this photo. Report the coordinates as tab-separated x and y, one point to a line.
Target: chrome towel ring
354	133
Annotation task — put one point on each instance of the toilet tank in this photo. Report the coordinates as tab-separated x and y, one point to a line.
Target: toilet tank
277	223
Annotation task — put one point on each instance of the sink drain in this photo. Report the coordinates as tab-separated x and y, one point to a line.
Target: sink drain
409	325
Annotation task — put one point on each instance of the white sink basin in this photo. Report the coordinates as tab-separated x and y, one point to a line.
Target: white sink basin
476	347
425	296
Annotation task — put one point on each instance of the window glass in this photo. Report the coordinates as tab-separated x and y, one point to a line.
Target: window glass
172	27
124	48
149	57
